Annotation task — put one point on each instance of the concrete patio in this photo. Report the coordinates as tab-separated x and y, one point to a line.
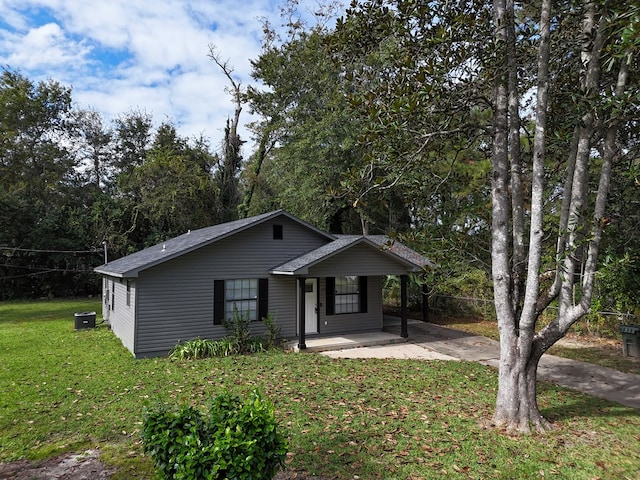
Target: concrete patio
356	340
323	344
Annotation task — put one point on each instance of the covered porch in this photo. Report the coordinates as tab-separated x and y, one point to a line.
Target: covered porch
339	291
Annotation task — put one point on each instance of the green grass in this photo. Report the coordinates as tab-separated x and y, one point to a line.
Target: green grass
63	390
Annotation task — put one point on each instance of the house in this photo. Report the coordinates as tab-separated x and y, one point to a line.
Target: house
310	281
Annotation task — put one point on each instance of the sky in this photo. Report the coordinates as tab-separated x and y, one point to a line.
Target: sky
142	55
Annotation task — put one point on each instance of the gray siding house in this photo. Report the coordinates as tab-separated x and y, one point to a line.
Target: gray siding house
310	281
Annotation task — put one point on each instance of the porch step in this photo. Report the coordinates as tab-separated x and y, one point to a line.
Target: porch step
342	342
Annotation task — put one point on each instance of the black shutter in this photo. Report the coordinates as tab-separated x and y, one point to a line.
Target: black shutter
363	294
263	298
331	297
218	302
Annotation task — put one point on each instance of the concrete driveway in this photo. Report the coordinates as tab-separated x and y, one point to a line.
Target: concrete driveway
428	341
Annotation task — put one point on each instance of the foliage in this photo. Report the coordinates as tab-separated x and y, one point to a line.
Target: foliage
309	135
239	341
174	439
391	291
442	88
272	332
71	182
237	440
45	244
200	348
239	331
617	293
170	192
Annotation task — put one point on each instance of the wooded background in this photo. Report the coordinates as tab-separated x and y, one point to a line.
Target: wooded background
380	121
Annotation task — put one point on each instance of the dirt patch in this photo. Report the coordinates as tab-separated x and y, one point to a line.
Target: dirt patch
87	466
573	340
74	466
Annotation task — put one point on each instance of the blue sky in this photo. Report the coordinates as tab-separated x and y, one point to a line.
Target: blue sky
149	55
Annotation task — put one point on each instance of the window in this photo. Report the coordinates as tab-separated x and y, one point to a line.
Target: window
129	292
346	295
107	294
241	295
113	294
277	232
246	295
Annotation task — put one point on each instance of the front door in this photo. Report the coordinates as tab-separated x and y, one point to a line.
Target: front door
311	305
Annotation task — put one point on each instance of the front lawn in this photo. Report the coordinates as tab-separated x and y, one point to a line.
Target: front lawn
63	390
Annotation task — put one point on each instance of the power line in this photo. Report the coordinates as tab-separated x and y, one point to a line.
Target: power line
36	267
25	275
39	271
34	250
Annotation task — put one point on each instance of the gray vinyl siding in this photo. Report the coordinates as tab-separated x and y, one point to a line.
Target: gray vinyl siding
359	260
283	304
121	317
353	322
175	298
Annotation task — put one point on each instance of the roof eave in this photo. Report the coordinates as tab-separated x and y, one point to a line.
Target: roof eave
286	272
134	272
106	271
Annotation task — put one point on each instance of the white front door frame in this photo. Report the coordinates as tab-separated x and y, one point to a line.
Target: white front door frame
310	307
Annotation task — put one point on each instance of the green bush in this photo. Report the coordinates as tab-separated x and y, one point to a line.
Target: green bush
200	348
194	349
239	341
238	440
238	330
271	332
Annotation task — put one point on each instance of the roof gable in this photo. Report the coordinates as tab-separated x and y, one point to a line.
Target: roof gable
131	265
392	249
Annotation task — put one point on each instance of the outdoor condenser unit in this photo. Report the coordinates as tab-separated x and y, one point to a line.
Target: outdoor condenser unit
85	320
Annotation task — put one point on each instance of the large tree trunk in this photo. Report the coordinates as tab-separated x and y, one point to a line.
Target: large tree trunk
579	231
516	405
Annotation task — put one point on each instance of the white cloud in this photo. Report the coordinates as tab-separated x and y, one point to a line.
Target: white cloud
150	55
47	47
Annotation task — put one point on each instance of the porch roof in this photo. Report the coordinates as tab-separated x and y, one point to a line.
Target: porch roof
411	260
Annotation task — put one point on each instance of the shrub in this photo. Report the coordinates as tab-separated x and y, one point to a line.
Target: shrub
194	349
173	437
237	440
239	331
271	331
239	341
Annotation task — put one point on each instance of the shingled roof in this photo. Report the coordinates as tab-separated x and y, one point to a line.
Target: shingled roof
130	265
400	252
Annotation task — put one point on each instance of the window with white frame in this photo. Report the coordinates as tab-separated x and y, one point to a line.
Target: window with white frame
241	295
247	296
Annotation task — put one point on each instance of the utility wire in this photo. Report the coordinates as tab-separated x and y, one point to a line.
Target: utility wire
25	275
35	267
40	271
16	249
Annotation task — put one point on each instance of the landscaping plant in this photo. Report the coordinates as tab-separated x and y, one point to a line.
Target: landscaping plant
239	341
238	440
